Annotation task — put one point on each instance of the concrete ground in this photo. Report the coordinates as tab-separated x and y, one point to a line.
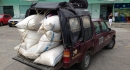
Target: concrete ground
116	59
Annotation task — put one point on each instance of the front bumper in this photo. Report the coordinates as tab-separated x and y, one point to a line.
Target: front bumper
12	23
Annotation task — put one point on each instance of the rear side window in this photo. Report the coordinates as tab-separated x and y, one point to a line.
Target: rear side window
86	21
97	27
74	24
1	16
6	16
104	27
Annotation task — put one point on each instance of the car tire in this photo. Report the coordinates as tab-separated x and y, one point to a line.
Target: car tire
1	24
10	25
111	44
84	64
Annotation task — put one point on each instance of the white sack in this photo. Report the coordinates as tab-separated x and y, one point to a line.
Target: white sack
21	48
31	22
51	57
47	41
23	32
51	23
29	37
32	38
31	52
41	29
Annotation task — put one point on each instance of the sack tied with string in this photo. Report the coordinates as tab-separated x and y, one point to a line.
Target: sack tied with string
49	40
50	23
51	57
41	30
31	52
21	48
30	37
32	22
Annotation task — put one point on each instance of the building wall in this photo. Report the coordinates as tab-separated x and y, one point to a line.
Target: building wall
16	9
1	10
20	6
94	10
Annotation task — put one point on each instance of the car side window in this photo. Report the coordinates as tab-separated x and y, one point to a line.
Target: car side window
74	24
104	27
97	27
6	16
86	21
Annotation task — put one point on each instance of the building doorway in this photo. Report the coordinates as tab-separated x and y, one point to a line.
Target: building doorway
8	10
105	10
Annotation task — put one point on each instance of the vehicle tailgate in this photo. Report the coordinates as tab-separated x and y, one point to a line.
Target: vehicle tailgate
30	63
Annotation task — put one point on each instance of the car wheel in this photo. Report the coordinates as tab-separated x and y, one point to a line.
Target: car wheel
111	44
85	62
1	23
10	25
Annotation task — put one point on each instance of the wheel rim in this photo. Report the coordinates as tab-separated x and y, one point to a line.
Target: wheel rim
87	60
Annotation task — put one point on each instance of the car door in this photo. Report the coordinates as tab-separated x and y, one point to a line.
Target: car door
105	32
88	33
98	37
6	18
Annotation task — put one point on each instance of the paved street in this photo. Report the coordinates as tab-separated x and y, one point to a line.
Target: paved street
116	59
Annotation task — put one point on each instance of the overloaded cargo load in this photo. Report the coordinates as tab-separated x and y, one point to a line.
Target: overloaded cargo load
45	34
33	43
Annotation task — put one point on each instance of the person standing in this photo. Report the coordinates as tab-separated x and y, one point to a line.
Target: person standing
116	16
110	18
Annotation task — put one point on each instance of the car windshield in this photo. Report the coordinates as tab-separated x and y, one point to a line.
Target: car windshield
1	16
18	16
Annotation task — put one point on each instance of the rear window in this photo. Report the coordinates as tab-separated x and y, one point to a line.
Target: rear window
7	16
1	16
74	24
86	21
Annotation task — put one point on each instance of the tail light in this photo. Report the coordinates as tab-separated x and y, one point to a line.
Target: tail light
66	56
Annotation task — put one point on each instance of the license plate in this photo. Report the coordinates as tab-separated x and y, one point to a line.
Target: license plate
12	22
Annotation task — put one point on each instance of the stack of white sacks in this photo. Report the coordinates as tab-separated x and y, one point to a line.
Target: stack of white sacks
41	39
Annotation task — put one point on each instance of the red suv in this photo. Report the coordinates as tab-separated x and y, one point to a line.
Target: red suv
4	19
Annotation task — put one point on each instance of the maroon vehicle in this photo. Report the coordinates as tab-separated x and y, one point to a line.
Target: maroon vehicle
4	19
81	38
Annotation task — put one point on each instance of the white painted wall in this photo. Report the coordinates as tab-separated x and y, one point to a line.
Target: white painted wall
23	8
95	10
90	8
16	9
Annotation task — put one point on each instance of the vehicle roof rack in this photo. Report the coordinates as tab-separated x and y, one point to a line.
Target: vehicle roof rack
79	3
